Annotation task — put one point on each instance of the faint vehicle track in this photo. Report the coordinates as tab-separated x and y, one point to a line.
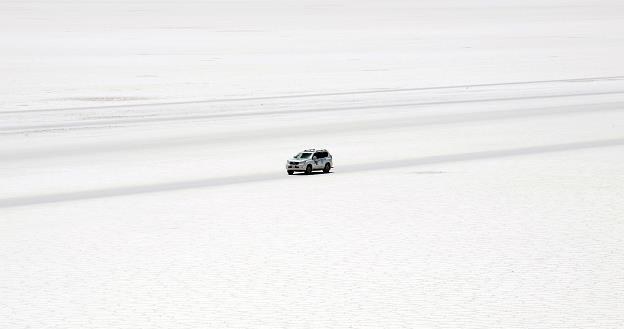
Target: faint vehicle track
313	95
334	128
107	122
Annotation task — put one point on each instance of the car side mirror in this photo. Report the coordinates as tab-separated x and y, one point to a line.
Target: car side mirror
314	158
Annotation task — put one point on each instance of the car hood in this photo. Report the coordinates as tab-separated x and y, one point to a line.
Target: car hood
297	160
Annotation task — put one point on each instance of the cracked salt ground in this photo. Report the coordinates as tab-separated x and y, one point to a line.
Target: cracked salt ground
474	187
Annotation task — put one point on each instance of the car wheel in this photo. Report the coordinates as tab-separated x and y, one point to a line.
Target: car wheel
327	168
308	170
290	172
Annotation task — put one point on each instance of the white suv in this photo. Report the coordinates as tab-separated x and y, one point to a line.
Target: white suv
310	160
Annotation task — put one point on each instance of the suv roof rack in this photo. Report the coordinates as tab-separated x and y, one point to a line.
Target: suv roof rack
314	150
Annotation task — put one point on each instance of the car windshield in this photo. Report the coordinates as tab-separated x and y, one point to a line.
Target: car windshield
303	156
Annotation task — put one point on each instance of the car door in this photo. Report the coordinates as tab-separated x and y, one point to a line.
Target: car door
319	161
327	158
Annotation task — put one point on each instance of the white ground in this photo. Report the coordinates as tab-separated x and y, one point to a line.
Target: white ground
142	147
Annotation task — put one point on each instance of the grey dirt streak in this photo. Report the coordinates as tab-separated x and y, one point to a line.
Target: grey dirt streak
232	180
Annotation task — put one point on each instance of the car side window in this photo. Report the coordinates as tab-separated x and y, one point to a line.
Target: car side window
318	155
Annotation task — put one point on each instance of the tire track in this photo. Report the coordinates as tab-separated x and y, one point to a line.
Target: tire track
266	177
314	95
333	128
121	122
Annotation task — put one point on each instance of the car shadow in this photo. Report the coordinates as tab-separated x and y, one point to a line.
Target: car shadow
312	174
